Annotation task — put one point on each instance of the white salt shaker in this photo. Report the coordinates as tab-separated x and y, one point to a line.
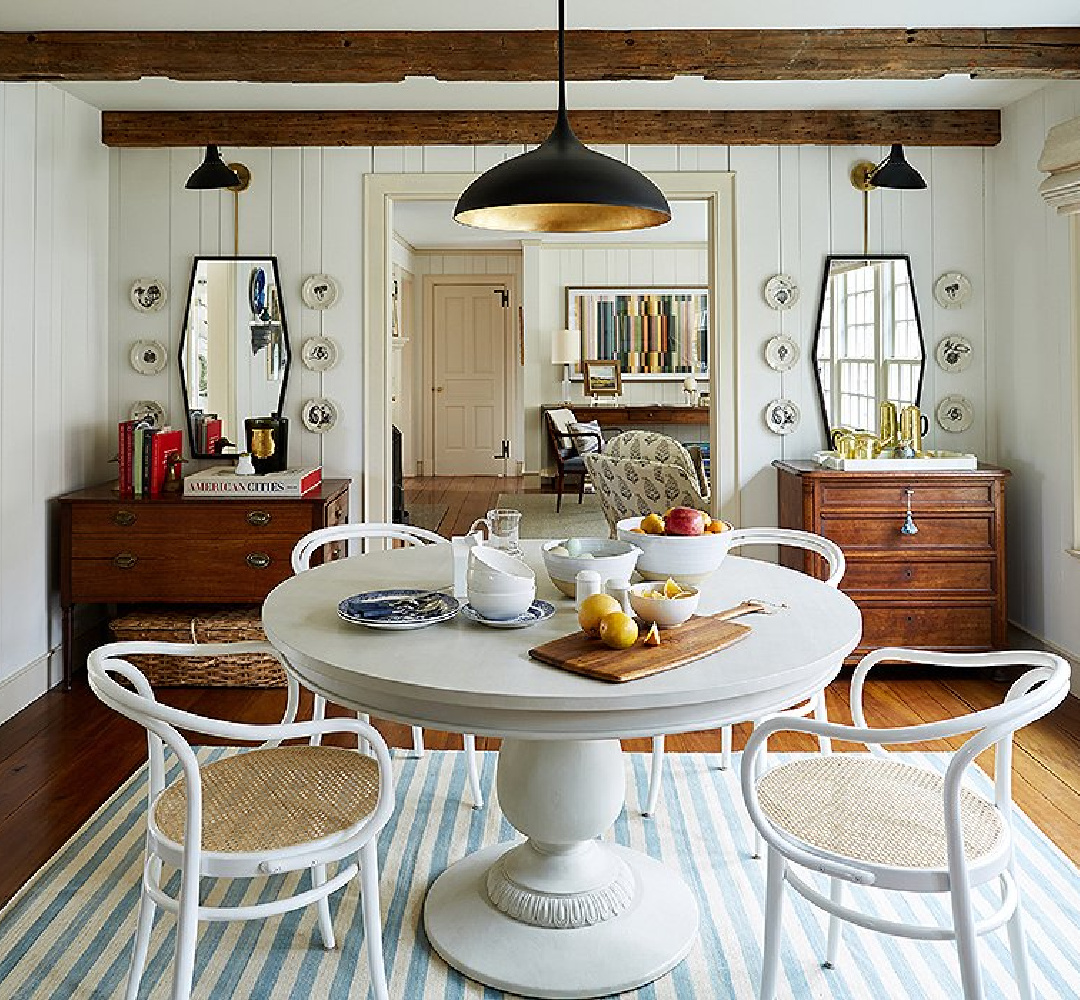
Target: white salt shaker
587	582
620	590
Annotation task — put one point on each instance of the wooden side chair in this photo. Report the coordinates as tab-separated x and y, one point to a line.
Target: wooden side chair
567	460
874	820
302	554
271	810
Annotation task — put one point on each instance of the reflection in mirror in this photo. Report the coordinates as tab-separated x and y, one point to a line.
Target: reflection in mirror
234	350
869	345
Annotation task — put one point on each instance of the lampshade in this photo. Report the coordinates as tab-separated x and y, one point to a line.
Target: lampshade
562	186
565	347
212	173
895	172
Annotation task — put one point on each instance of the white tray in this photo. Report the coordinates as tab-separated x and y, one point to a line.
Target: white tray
944	461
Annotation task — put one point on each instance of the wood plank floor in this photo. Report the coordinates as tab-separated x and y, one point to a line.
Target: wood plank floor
62	756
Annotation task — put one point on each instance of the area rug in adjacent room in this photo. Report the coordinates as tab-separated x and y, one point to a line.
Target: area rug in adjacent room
67	935
427	515
539	520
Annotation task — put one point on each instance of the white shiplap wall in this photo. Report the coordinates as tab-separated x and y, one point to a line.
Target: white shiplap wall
1034	371
795	205
54	239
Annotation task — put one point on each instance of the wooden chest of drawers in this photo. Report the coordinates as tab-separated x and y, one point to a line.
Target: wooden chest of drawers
180	550
940	588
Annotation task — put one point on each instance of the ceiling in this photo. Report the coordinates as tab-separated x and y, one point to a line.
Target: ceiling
414	93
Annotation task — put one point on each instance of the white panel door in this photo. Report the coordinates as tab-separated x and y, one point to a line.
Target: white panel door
470	332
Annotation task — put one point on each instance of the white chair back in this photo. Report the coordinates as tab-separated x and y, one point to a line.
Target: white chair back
824	547
310	543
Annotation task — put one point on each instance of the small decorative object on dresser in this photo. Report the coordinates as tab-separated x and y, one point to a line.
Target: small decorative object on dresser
319	291
602	378
148	294
781	291
268	442
932	578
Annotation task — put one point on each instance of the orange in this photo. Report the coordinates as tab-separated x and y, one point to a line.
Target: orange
714	527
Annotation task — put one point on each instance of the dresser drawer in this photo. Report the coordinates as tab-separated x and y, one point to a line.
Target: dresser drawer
876	576
933	626
893	496
221	518
935	531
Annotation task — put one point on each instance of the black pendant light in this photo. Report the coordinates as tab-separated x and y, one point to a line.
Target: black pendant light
562	186
895	172
212	173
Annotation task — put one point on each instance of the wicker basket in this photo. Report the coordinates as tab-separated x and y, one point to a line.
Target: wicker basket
213	623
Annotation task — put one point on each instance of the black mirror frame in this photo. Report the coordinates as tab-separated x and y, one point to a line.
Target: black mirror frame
817	326
183	342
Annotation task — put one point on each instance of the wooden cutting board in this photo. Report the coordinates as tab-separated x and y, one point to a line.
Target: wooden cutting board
692	640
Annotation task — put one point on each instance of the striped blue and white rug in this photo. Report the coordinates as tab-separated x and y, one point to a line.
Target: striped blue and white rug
67	935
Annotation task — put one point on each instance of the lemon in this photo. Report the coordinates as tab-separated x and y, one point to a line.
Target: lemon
618	630
672	589
652	524
593	609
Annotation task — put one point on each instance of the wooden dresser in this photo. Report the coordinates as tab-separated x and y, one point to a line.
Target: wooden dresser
182	550
940	588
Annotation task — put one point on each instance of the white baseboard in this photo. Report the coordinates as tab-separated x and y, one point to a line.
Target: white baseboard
28	684
1037	642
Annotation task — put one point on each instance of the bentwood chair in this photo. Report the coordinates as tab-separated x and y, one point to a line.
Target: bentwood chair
873	820
270	810
836	564
302	554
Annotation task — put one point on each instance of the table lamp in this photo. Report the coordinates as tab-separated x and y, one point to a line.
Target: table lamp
566	351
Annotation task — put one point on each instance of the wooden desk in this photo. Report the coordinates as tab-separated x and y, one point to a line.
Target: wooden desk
181	550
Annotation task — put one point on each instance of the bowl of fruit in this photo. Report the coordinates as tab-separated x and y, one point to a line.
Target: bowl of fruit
666	604
684	544
610	557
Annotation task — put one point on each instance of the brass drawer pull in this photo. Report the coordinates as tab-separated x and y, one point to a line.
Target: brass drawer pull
125	560
124	517
259	518
258	560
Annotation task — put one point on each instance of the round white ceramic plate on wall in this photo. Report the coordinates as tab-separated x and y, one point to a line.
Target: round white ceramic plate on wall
781	291
781	353
148	357
319	354
782	416
147	409
955	414
319	291
952	290
954	353
148	294
319	415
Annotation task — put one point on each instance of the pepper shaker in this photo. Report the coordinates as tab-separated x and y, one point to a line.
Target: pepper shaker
620	590
587	583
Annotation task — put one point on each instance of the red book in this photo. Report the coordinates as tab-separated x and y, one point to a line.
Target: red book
165	442
213	435
126	442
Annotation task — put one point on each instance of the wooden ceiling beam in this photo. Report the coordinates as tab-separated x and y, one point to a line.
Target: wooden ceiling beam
391	56
434	128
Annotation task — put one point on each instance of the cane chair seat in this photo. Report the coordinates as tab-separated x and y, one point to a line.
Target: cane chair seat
879	811
275	798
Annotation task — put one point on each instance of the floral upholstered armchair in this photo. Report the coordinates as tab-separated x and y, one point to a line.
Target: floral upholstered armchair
641	472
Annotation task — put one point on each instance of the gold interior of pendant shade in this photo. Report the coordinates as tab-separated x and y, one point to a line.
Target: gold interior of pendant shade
562	218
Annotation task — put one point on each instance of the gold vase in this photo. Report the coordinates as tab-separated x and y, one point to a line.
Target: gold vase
888	425
911	427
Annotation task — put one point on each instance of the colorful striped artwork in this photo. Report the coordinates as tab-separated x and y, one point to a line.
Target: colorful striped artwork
649	331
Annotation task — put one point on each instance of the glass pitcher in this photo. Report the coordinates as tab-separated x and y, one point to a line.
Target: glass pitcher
499	528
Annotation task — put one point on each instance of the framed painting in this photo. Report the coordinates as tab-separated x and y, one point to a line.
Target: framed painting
602	378
652	332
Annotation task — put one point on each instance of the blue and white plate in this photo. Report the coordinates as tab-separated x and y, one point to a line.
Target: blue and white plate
398	609
539	611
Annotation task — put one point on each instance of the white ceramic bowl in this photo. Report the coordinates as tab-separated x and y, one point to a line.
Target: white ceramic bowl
687	559
501	607
498	572
665	611
610	557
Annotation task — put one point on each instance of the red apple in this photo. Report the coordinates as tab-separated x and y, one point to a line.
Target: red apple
685	521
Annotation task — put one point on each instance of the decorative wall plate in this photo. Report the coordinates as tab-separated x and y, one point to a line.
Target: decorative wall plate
319	354
148	357
319	291
782	416
148	294
955	414
147	409
952	290
781	353
781	291
954	353
319	415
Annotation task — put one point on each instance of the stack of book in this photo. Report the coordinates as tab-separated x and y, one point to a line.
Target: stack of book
222	481
144	456
205	432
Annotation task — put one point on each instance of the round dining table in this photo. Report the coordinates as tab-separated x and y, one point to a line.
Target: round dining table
561	913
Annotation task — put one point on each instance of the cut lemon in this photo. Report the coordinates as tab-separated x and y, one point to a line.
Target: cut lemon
652	637
672	589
